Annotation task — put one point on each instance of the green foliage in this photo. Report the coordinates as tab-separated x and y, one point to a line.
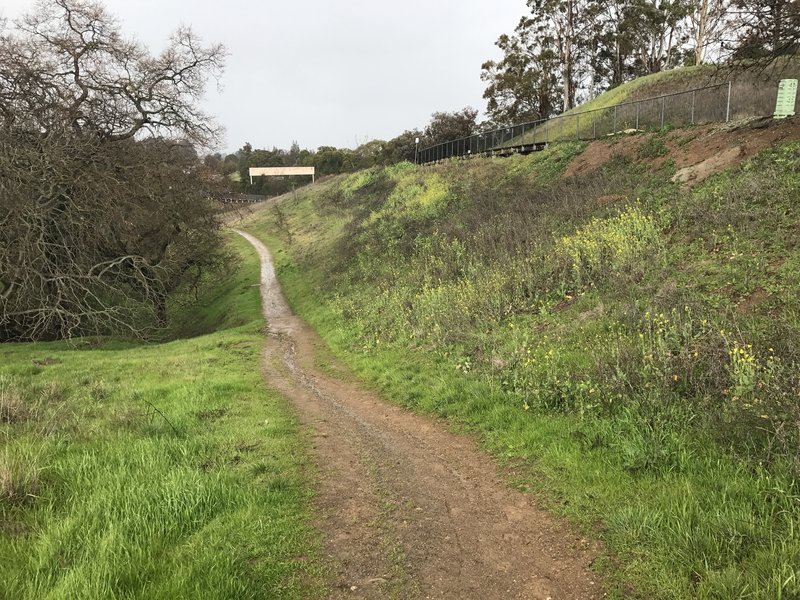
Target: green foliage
653	147
153	471
624	355
608	245
523	86
447	126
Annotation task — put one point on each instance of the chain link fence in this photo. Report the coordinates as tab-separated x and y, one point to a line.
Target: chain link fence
710	104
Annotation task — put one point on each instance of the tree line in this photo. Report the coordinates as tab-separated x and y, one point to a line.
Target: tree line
566	51
329	160
562	53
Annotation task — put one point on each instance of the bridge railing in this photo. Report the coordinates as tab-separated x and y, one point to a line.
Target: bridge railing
237	198
708	104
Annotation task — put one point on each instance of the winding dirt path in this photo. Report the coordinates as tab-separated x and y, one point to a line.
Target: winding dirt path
408	509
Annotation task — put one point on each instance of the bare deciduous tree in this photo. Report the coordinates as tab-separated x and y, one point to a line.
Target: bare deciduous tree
67	64
103	203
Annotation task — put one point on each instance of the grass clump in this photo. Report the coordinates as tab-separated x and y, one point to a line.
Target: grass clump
622	354
14	408
154	471
652	147
19	480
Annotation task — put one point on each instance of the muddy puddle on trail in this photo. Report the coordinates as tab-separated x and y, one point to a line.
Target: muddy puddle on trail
408	509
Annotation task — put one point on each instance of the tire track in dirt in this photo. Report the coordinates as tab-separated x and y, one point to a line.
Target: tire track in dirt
408	509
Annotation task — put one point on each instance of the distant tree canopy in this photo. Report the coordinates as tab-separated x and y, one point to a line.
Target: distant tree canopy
104	204
328	160
523	86
446	126
565	51
403	147
562	53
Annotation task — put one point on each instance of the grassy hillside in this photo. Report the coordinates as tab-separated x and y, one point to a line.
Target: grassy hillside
628	346
761	82
753	94
154	471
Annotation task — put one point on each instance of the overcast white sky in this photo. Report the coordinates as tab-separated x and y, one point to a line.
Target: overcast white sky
326	72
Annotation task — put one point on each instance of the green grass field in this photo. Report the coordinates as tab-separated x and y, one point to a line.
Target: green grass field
628	348
155	470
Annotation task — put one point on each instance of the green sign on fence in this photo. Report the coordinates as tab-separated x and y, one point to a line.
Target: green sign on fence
787	93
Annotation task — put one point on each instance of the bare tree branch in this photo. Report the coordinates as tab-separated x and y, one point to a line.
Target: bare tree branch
103	201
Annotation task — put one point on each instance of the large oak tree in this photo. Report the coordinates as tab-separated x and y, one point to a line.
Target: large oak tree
104	206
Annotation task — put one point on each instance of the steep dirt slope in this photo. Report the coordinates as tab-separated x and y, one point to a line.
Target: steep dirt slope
696	152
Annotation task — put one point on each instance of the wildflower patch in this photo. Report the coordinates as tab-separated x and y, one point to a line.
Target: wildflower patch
608	245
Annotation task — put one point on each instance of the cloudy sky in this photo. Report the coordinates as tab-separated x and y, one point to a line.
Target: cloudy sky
327	72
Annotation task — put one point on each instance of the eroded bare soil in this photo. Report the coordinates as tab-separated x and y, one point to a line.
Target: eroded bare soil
408	509
697	152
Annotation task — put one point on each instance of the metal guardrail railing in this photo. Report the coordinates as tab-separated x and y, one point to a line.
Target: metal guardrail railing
707	104
237	198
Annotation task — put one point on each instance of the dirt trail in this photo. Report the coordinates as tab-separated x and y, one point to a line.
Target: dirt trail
408	509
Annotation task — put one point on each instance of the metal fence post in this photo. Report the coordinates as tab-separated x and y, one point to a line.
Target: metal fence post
614	127
692	117
546	131
638	108
578	126
728	107
663	100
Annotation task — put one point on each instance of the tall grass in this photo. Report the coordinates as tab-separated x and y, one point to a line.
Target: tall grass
154	471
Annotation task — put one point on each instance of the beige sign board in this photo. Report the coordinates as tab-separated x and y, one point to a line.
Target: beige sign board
787	94
280	171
